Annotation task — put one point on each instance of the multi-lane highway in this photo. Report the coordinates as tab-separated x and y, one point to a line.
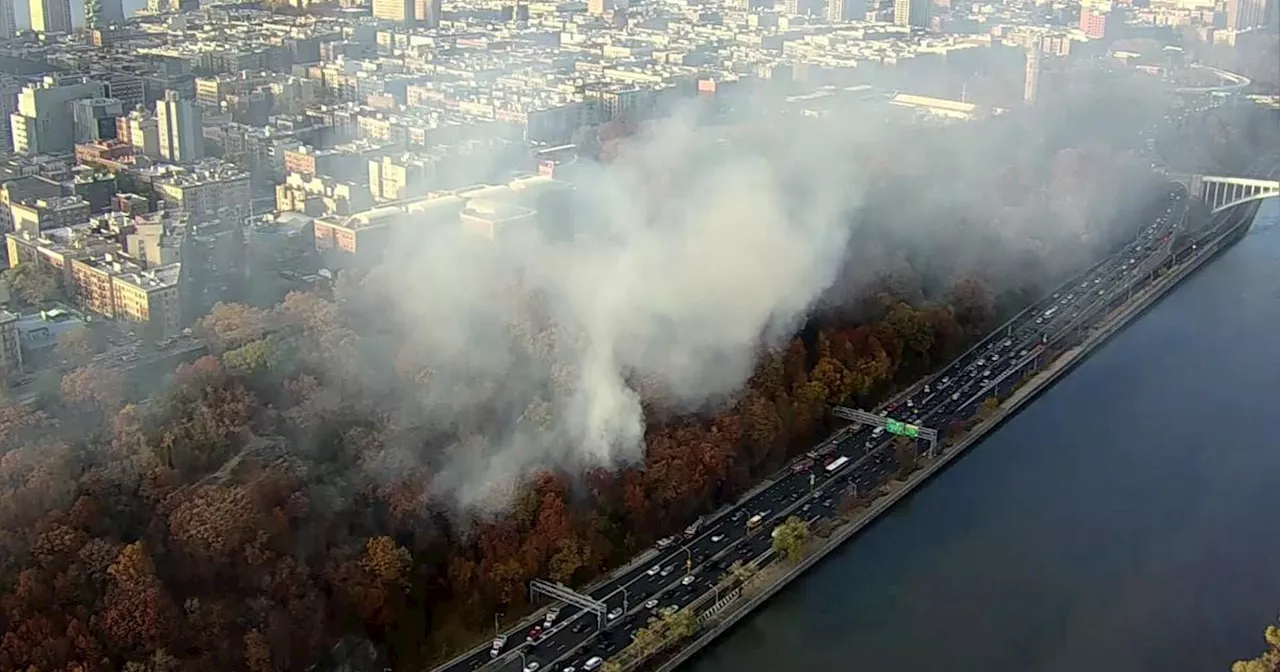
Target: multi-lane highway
691	566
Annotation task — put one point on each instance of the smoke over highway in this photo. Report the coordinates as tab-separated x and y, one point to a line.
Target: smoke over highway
669	271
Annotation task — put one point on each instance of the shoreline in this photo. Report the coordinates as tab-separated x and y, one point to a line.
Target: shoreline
1109	326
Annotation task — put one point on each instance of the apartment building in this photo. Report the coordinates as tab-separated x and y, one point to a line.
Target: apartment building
150	298
54	212
43	122
206	190
116	286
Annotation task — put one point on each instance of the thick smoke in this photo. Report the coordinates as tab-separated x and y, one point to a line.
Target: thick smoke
667	271
680	263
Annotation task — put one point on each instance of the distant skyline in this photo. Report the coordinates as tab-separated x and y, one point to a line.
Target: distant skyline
22	11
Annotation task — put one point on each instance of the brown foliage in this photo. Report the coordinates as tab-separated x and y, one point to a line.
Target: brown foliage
233	523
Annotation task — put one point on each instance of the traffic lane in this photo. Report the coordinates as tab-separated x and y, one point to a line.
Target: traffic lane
880	465
789	493
561	635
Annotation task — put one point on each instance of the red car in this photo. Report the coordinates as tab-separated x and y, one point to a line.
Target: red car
535	634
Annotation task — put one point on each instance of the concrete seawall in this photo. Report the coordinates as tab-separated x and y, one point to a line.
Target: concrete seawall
1108	327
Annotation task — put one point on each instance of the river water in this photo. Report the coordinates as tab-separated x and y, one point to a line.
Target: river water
1128	519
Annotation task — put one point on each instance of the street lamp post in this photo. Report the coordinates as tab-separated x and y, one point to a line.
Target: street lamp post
524	663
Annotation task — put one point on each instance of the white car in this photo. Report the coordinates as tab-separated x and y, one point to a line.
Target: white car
532	666
717	538
653	571
688	580
593	663
613	615
651	603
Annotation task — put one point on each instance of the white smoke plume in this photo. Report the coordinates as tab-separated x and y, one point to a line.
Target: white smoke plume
669	269
685	258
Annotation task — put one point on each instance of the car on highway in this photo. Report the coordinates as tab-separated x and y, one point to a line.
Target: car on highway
532	666
860	472
499	643
535	634
552	615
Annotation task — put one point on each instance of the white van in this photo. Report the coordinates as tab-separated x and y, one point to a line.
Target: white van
551	617
592	664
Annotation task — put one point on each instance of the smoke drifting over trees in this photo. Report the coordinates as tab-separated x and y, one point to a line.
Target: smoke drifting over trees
687	257
403	457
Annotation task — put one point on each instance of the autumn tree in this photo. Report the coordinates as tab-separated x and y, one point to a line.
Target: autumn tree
1269	661
990	406
230	325
906	455
79	345
94	387
973	304
35	284
139	612
791	539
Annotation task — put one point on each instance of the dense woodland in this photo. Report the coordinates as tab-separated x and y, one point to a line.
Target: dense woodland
274	497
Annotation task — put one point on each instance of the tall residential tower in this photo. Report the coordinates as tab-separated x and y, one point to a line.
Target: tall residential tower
51	16
1031	87
8	20
914	13
181	129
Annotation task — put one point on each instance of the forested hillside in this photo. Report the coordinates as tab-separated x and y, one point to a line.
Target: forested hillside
281	493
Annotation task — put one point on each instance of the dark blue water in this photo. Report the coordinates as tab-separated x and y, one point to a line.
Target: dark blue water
1127	520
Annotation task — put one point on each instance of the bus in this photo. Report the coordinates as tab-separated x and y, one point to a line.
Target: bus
836	464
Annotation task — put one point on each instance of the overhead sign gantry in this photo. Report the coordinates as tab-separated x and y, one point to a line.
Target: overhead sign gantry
569	596
895	427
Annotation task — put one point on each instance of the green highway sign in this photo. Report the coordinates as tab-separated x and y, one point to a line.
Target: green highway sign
901	428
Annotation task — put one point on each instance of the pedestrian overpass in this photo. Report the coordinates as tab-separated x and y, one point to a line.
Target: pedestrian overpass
1223	193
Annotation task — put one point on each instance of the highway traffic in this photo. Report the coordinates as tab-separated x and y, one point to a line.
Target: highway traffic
688	567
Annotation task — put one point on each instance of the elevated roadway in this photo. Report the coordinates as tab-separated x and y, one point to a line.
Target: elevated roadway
692	567
1232	82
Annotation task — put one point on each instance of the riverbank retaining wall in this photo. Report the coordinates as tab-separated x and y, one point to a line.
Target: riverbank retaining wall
1111	325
